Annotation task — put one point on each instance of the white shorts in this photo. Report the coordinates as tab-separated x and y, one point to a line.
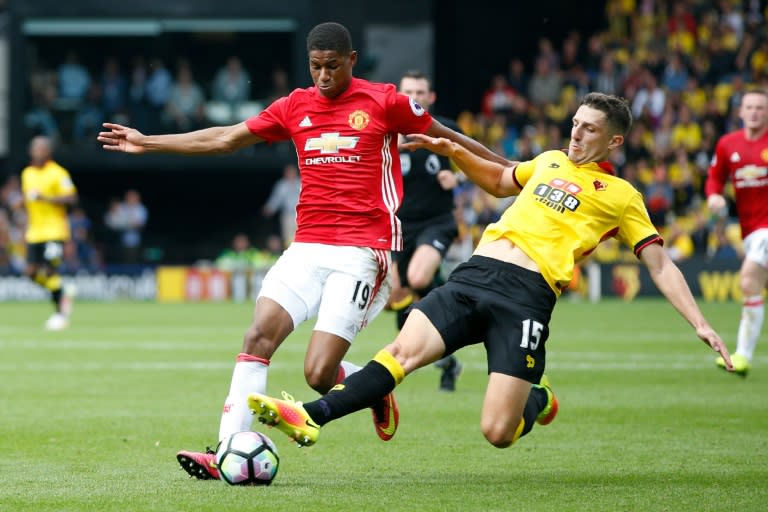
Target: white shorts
344	287
756	247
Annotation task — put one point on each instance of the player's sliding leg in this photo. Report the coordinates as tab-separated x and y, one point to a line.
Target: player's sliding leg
358	391
386	415
512	406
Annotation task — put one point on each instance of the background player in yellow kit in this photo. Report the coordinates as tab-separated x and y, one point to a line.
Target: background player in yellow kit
48	191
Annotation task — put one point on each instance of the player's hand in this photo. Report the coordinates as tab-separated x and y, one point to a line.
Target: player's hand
711	338
440	146
33	195
717	205
447	179
121	138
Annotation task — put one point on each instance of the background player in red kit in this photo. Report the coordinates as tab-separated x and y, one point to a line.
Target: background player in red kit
742	157
345	132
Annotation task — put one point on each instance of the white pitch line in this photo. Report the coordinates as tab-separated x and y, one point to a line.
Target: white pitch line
149	366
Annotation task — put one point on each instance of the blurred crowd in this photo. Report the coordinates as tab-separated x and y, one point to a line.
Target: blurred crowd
69	102
119	242
683	65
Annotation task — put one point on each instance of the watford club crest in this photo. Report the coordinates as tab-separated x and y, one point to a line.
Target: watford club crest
600	185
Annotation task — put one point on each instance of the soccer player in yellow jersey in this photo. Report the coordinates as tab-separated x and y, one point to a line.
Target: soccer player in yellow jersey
567	203
48	191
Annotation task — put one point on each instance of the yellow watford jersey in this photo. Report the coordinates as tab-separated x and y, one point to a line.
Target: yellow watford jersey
565	210
46	221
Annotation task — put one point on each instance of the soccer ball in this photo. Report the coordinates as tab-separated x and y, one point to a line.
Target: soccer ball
247	458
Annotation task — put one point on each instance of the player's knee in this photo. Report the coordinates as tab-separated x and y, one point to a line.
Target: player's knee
498	432
497	435
320	379
420	281
749	285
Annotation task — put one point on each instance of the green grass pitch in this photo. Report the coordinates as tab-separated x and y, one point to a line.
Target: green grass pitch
91	419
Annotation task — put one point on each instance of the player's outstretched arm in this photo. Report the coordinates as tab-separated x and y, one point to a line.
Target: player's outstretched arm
495	178
209	141
437	129
670	281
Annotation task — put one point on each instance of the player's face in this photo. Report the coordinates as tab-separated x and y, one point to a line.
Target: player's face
591	139
39	151
418	90
331	72
754	111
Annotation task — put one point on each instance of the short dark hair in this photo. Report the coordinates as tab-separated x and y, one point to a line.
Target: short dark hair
615	108
330	36
753	90
417	75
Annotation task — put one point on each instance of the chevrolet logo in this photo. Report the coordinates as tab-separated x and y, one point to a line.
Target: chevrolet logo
330	143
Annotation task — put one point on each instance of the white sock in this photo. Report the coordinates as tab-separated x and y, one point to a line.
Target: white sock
350	368
752	313
346	369
249	376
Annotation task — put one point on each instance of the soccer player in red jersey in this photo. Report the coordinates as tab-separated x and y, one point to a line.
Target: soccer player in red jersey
345	132
742	157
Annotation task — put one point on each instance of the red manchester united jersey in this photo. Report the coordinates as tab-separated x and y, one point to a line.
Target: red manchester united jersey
745	163
351	185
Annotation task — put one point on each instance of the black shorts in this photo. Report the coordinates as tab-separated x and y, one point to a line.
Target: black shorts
438	232
46	253
505	306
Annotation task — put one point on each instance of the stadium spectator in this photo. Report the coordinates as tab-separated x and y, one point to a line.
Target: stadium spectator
231	84
509	287
650	100
185	108
346	219
675	76
12	209
48	191
608	78
681	175
498	98
127	219
88	118
677	242
239	256
158	87
40	119
284	198
84	251
114	88
429	224
74	81
659	196
740	157
546	83
139	111
280	85
517	77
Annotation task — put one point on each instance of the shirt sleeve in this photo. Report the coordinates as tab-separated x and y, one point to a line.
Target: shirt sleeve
718	172
270	124
66	186
407	116
523	172
635	227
